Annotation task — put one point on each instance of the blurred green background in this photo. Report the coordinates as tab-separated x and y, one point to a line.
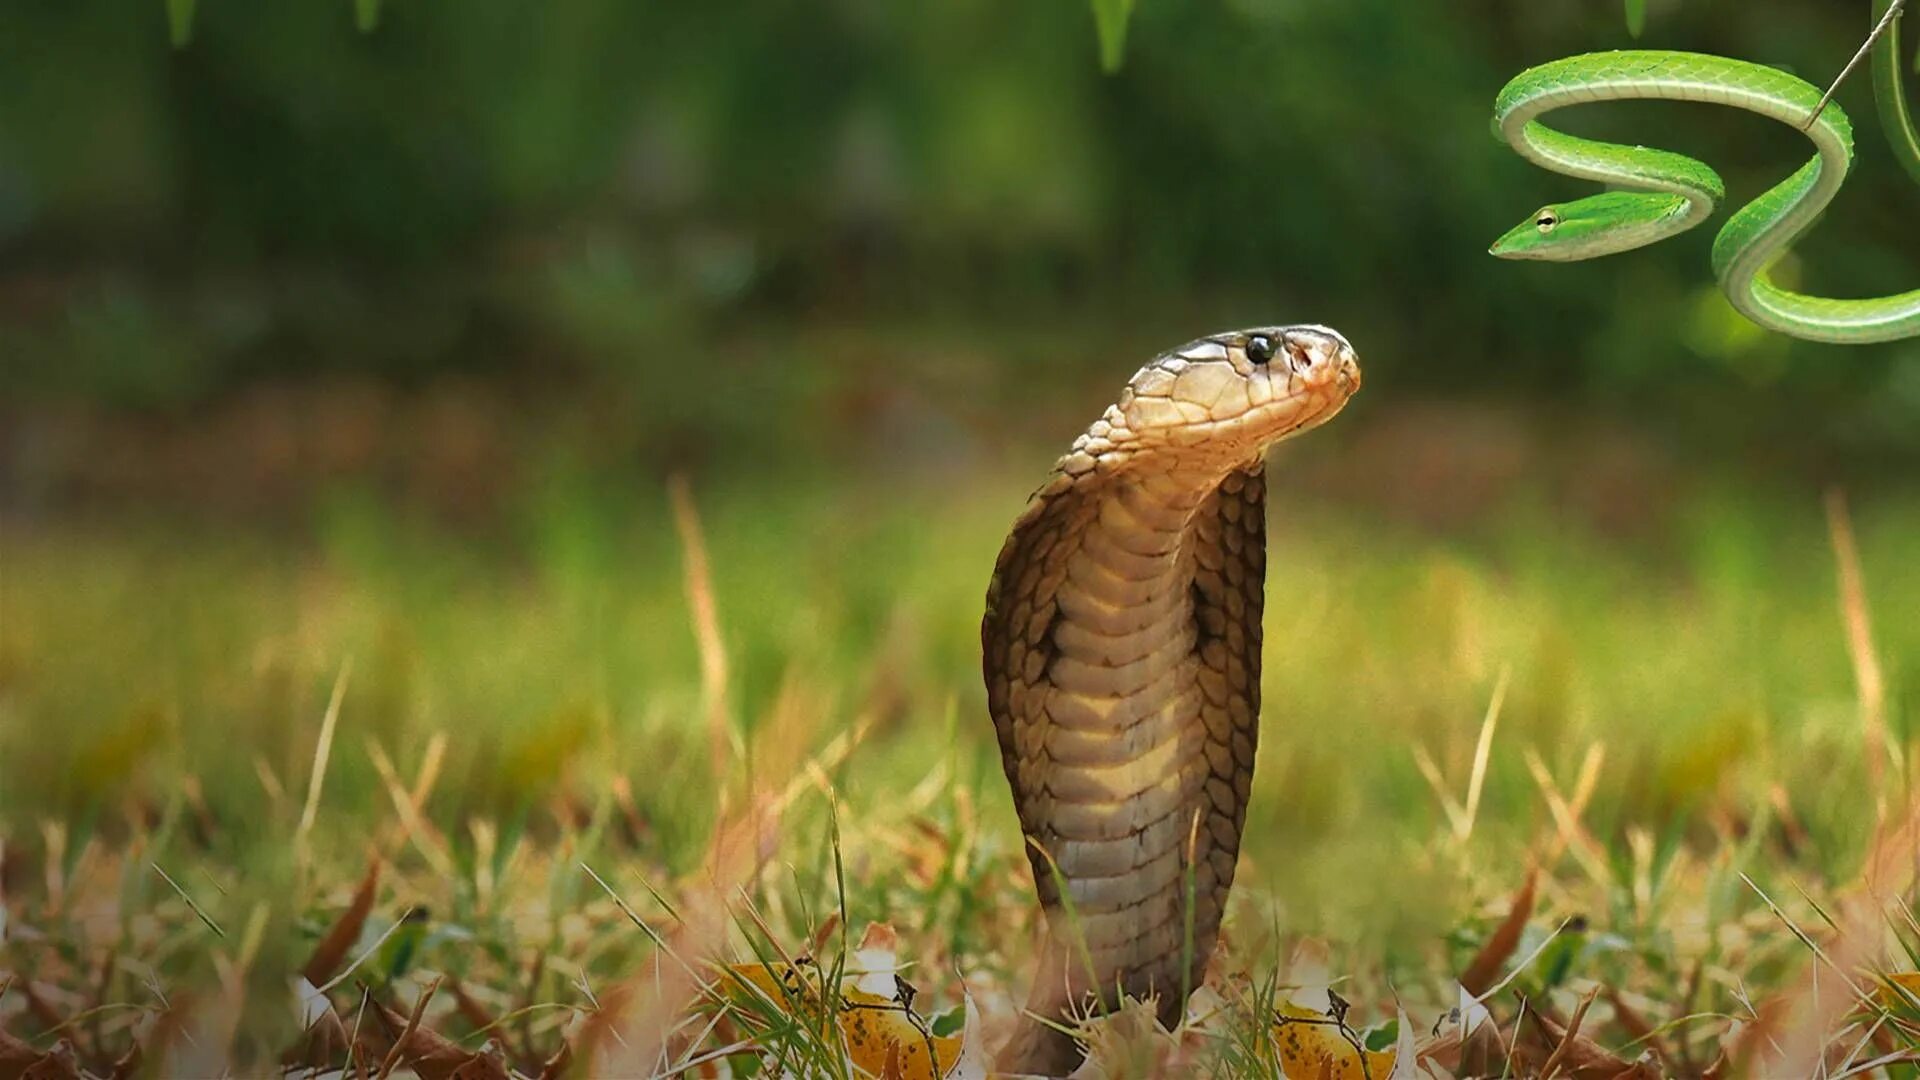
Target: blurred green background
322	344
652	204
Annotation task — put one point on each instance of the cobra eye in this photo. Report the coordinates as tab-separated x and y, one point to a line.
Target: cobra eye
1547	220
1259	348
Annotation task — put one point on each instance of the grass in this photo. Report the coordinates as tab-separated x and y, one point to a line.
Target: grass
617	735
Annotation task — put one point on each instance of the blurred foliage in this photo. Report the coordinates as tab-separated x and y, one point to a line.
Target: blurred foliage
591	189
1110	18
1707	663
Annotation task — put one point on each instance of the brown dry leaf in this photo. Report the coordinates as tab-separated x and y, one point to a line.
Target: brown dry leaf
1636	1025
1579	1057
1313	1045
333	947
321	1046
878	1028
825	931
1485	969
1465	1041
433	1056
472	1011
16	1056
19	1061
559	1064
127	1066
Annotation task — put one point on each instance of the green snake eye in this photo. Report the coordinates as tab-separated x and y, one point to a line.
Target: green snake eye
1546	221
1259	349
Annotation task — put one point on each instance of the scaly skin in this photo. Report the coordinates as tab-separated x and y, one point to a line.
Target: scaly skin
1903	136
1669	193
1121	649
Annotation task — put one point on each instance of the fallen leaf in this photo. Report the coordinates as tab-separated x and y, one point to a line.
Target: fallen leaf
434	1056
1406	1057
1579	1057
1493	955
19	1061
1316	1046
881	1030
332	948
972	1062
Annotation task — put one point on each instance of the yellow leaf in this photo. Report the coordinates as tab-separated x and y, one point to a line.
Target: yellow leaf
1313	1047
883	1037
1902	989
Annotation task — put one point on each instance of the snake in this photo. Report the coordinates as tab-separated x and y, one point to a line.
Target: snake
1658	194
1121	654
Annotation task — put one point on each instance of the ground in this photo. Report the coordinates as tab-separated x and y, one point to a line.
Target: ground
491	769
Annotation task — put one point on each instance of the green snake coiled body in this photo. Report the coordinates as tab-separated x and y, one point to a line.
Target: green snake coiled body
1665	193
1121	651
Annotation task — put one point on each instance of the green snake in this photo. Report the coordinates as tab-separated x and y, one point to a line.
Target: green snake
1121	649
1662	193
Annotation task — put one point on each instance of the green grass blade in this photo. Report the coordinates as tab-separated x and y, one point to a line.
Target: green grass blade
1110	22
180	22
1636	18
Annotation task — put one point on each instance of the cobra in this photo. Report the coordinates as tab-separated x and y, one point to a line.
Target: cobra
1121	649
1665	193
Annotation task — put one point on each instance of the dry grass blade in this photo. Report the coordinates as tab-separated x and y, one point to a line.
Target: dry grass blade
322	1044
1901	1057
407	804
706	623
1879	28
1806	940
1524	964
1869	683
332	948
1565	1043
1430	770
429	1055
1483	752
322	753
662	993
407	1031
1575	1055
633	917
1802	1024
1572	835
1583	787
1505	938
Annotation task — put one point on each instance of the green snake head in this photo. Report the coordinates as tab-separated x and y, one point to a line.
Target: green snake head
1604	224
